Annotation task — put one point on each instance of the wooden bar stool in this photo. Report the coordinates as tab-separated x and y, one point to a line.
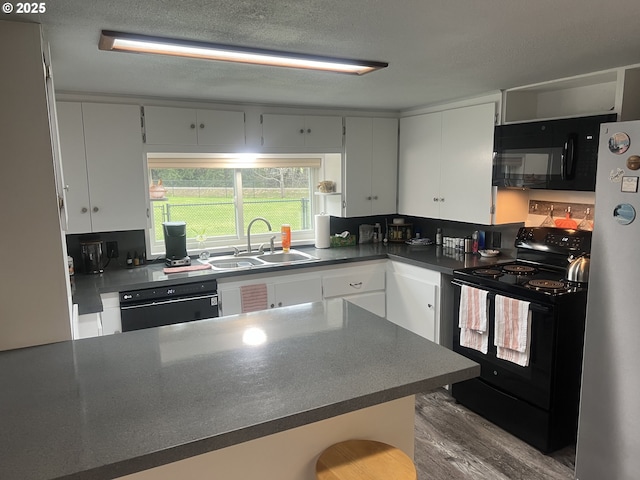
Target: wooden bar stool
364	460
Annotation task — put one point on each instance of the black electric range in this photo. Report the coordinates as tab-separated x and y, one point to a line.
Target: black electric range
539	271
537	402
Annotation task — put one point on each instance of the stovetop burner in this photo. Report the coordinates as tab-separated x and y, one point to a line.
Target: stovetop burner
545	285
488	272
519	269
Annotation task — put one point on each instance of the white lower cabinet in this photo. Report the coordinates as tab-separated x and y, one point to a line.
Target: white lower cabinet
111	322
87	326
363	285
413	299
282	290
106	322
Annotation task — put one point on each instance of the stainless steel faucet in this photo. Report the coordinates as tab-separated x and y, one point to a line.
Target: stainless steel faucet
249	230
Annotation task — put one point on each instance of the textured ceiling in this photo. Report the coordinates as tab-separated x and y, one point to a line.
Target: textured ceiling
437	50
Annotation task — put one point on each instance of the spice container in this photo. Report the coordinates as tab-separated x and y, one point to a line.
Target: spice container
475	237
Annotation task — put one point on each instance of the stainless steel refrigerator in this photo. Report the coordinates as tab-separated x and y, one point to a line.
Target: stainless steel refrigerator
609	428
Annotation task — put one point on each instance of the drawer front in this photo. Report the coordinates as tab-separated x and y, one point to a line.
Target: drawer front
357	281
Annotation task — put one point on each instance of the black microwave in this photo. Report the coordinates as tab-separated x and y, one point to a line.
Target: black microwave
553	155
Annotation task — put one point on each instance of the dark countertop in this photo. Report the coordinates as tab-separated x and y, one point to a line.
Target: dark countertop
87	288
108	406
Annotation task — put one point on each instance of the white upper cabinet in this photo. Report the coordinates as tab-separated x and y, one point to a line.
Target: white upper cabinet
185	126
609	91
103	166
419	165
371	163
307	132
466	164
74	166
445	164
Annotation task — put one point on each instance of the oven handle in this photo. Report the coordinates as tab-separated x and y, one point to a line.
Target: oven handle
166	302
534	307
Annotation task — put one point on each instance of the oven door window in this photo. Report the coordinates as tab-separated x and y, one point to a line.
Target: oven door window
526	168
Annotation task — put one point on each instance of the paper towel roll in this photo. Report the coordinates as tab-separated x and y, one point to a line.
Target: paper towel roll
323	235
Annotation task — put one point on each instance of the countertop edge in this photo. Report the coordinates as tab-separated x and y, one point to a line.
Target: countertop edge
89	301
206	445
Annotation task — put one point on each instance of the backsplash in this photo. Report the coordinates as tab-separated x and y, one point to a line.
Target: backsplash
128	242
497	236
560	214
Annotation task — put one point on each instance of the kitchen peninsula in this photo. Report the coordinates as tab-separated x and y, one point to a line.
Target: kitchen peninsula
266	391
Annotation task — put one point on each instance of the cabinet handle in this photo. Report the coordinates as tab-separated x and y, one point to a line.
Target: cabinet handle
308	130
442	199
429	305
66	188
202	125
84	210
302	130
435	199
193	125
375	197
369	198
95	209
356	285
279	304
273	305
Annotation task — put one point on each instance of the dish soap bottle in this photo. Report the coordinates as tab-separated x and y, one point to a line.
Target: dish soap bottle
285	230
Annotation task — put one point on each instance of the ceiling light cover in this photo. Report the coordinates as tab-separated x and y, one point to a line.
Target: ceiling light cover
130	42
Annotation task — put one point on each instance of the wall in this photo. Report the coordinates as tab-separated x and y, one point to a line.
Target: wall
34	298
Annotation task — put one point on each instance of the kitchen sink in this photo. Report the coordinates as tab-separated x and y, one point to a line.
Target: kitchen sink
286	257
233	263
244	261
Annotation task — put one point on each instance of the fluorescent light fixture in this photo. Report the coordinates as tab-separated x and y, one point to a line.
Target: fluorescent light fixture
130	42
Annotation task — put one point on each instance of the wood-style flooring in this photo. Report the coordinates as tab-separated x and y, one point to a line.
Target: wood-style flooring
453	443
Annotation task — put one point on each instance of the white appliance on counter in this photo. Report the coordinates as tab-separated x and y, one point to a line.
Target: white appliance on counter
608	433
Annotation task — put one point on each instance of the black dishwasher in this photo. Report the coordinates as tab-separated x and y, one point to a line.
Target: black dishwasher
157	306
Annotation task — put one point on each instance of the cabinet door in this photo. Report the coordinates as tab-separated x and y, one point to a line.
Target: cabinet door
74	166
170	126
358	166
296	292
374	302
384	166
88	326
115	167
412	302
323	132
419	165
110	318
283	131
220	128
467	158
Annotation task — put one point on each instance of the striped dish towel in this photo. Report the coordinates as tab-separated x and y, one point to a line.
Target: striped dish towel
254	297
472	319
513	330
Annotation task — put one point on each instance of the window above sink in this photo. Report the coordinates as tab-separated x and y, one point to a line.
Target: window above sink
218	195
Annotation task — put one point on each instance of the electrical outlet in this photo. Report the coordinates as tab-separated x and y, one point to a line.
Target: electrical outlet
112	250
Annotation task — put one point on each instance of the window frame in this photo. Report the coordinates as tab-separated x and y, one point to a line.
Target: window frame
238	162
